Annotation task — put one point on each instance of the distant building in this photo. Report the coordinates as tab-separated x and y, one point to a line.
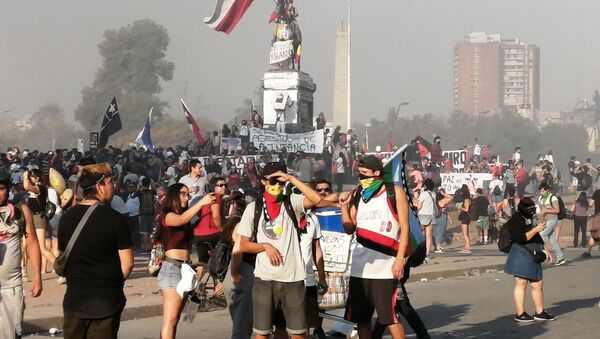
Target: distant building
491	74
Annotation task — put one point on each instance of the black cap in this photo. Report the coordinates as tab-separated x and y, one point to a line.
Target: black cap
272	167
371	162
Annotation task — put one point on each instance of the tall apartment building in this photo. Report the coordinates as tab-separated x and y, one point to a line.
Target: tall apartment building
491	74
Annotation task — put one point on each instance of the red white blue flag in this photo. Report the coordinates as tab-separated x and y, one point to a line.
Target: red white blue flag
227	15
193	124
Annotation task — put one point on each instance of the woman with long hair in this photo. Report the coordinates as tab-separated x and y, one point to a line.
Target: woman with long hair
465	218
426	204
176	236
442	219
580	216
37	195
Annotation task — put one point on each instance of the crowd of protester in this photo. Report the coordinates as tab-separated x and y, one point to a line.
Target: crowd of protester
190	198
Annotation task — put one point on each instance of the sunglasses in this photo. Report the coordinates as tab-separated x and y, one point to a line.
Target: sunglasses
323	190
273	181
221	185
184	194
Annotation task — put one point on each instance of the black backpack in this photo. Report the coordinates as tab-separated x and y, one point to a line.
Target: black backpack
562	211
496	190
504	241
586	181
220	256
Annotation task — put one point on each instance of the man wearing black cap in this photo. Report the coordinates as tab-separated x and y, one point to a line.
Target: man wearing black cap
379	257
270	228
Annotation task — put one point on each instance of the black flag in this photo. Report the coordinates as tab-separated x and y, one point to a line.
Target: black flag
111	123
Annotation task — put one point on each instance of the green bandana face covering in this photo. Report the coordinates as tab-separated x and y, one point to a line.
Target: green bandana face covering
370	186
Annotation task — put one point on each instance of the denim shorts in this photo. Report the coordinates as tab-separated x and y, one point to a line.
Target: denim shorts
521	263
168	276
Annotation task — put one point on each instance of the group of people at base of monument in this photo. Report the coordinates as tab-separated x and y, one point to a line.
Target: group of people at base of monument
270	230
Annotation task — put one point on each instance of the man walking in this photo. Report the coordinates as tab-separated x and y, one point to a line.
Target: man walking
379	257
15	222
549	213
100	260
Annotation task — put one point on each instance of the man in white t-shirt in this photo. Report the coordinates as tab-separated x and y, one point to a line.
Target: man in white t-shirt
272	234
379	257
195	182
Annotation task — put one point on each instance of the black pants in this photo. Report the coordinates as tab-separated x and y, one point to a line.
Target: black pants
339	180
404	308
106	328
580	223
204	244
521	189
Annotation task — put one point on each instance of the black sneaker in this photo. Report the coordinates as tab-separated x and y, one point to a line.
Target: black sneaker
524	318
586	255
544	316
320	334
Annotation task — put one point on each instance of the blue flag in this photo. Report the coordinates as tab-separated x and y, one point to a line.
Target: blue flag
144	136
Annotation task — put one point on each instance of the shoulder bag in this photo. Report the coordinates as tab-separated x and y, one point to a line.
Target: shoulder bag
60	264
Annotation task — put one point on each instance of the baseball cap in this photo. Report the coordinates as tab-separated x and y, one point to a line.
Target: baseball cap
371	162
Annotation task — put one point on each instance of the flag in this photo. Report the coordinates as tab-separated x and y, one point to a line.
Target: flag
144	137
111	123
192	122
394	173
227	15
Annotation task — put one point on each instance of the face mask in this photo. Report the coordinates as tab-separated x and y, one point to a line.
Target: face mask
274	190
366	181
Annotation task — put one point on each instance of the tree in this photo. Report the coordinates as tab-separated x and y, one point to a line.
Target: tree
131	71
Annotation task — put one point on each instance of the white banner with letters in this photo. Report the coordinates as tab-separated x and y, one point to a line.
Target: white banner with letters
310	142
453	181
336	251
458	158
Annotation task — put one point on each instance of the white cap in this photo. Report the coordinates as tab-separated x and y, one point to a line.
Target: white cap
378	148
577	162
188	280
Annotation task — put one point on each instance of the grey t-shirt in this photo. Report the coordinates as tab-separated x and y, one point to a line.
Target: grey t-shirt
282	235
10	250
199	182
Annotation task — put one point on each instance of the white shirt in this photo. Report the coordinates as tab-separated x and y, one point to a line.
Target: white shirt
313	232
427	200
494	183
132	205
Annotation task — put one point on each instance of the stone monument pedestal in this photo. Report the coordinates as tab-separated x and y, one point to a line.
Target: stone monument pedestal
288	95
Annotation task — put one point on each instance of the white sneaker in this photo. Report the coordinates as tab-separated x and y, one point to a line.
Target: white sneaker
61	280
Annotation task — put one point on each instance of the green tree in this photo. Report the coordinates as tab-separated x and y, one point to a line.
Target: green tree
133	64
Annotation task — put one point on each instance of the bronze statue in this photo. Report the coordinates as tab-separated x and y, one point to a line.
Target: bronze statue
287	29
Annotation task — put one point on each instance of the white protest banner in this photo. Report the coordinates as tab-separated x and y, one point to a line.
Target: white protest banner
336	251
310	142
281	51
230	144
238	161
80	146
453	181
458	158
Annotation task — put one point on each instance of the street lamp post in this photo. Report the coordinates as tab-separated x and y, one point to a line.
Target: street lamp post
399	106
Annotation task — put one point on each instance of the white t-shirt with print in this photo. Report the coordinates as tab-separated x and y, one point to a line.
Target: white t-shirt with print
313	232
282	235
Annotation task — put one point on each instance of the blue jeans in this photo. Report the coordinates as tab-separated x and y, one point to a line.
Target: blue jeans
439	229
549	235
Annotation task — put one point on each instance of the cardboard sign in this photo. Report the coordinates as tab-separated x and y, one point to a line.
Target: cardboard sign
94	140
80	146
310	142
453	181
281	51
336	251
458	158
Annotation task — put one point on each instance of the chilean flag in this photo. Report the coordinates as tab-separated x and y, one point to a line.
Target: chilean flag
193	124
227	15
144	136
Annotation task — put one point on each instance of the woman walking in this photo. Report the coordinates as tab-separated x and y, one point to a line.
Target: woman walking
426	205
442	220
580	216
176	236
464	218
340	164
524	261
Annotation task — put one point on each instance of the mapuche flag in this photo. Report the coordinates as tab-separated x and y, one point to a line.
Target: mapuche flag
394	172
193	124
111	123
144	136
227	15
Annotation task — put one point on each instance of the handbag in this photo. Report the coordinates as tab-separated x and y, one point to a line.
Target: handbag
60	264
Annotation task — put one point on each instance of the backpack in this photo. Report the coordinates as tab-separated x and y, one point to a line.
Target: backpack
218	264
504	241
562	211
586	181
287	204
418	255
146	197
497	190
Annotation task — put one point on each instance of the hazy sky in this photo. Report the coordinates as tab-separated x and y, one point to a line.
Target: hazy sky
402	50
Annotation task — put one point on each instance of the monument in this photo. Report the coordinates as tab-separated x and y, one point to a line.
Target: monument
288	92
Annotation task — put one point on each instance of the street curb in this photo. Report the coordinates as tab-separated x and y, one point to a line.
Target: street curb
132	313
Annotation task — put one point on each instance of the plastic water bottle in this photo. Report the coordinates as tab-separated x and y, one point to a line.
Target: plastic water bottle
400	296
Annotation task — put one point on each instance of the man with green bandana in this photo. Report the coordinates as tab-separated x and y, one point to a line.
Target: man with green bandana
280	270
549	212
379	257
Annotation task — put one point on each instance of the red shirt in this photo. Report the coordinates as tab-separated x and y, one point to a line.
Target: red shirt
521	174
207	226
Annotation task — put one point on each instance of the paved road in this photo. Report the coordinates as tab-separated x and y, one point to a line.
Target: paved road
463	307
